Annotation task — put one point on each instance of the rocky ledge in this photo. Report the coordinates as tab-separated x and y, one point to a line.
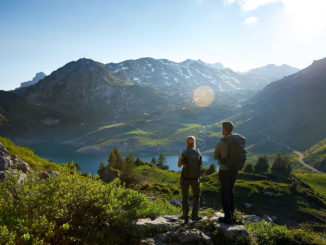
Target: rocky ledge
171	230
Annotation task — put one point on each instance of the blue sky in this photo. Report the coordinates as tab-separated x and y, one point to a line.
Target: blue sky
43	35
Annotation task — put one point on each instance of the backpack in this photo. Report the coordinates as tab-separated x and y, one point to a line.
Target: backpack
236	152
191	160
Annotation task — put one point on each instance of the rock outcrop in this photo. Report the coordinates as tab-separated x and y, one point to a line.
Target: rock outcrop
171	230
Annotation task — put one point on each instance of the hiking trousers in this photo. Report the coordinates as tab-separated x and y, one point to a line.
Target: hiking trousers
185	196
227	179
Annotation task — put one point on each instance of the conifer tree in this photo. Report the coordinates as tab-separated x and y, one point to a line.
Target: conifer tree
248	168
161	160
153	160
211	169
128	175
115	159
262	164
101	169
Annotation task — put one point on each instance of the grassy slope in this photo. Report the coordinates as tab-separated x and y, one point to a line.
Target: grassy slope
316	155
25	154
288	204
316	181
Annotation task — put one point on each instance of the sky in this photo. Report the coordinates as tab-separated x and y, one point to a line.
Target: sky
43	35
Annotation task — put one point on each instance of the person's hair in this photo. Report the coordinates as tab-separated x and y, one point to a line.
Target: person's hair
228	126
191	142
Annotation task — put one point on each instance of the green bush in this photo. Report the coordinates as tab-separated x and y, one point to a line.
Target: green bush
268	234
71	208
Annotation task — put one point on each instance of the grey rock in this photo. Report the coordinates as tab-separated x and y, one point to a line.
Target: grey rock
267	218
251	218
232	230
161	224
247	205
5	163
192	236
147	241
2	175
44	175
269	193
52	173
23	166
14	158
176	202
152	198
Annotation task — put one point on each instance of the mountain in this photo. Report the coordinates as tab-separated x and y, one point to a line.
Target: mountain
38	77
316	155
217	66
179	80
90	92
291	110
271	72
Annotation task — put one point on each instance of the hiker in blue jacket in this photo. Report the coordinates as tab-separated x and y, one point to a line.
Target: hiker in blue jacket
192	162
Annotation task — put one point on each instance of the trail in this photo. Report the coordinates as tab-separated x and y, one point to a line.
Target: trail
300	154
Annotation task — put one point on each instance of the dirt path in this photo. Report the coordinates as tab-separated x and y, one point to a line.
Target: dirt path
300	154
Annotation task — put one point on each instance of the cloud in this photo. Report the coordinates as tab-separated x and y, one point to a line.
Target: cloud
248	5
250	20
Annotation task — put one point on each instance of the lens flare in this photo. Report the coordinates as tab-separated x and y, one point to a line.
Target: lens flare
203	96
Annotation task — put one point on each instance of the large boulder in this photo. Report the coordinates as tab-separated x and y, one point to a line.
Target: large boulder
23	166
5	163
109	174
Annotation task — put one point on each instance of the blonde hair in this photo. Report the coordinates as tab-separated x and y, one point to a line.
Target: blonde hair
191	142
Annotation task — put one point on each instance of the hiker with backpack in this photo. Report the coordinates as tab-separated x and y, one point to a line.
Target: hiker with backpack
231	154
192	162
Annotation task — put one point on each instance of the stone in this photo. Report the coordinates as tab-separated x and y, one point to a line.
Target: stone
176	202
5	163
251	218
160	224
14	158
247	205
44	175
147	241
22	177
192	236
269	193
152	198
267	218
3	150
232	230
2	175
109	174
23	166
52	173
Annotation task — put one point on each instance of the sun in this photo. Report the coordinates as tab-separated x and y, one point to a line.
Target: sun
203	96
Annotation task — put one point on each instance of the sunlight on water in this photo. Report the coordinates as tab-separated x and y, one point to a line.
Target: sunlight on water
203	96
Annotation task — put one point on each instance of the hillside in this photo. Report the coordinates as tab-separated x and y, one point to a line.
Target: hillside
68	208
316	155
291	109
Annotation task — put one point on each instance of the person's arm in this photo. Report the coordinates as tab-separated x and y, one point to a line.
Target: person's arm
180	160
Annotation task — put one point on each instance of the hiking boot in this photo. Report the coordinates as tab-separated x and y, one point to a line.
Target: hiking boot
197	218
186	220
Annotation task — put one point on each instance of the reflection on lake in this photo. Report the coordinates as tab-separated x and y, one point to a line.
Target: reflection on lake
89	163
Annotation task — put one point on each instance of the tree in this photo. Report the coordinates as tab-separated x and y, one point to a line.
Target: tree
281	165
262	164
248	168
153	160
115	159
139	162
77	166
161	160
128	174
129	159
211	169
101	169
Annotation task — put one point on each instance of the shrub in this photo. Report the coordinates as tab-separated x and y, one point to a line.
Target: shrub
70	208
